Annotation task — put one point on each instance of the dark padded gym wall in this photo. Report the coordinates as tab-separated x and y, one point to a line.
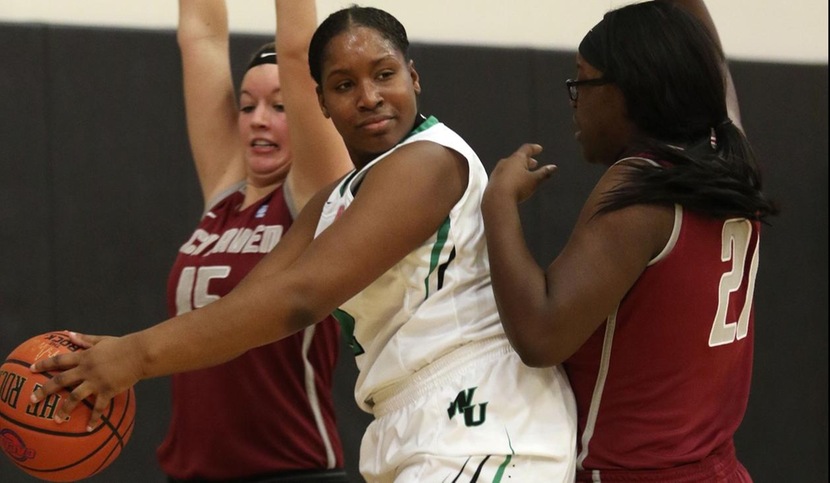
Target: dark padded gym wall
97	191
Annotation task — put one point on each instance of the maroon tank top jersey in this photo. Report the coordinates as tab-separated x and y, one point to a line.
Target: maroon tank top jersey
270	409
665	380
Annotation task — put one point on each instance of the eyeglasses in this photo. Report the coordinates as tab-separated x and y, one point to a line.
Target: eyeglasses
572	85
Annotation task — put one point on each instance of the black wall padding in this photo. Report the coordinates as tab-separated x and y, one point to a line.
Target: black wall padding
97	191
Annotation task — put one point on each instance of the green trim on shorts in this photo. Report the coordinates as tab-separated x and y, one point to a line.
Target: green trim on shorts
500	471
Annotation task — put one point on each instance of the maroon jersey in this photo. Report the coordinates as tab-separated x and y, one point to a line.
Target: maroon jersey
270	409
664	382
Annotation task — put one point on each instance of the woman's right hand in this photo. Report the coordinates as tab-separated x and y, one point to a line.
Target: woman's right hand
110	366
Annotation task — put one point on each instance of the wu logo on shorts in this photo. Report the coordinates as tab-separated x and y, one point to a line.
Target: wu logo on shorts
464	404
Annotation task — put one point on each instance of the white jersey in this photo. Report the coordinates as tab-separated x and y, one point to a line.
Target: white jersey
433	301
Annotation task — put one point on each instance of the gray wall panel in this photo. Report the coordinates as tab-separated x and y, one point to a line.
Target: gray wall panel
26	228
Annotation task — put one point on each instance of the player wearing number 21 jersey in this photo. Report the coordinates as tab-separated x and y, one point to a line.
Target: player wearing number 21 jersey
665	381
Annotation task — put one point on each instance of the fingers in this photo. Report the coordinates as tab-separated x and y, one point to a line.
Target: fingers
101	404
527	152
524	155
70	402
58	362
76	396
57	382
84	340
546	171
529	149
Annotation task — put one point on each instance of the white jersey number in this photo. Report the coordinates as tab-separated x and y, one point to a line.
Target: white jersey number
736	238
192	290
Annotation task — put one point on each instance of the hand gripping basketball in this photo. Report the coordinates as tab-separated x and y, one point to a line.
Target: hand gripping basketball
97	374
28	434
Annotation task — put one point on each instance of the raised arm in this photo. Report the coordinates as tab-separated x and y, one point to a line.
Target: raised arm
317	150
210	101
699	10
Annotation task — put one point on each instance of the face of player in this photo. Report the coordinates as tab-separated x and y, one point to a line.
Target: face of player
600	118
369	91
262	125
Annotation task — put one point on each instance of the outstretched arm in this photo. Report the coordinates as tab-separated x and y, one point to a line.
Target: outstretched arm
303	279
210	102
699	10
318	155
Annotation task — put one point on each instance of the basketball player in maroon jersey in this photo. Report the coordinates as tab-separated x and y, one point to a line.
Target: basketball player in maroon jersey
270	409
649	304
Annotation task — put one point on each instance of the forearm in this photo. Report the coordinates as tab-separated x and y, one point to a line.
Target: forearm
209	98
296	22
699	10
214	334
270	303
203	19
519	283
318	153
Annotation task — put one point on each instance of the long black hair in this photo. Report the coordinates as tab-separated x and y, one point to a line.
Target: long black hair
342	20
671	72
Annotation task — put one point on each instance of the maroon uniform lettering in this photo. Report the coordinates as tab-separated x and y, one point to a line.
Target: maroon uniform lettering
270	409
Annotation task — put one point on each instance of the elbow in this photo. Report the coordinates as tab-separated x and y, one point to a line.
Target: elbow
539	359
534	360
537	352
538	344
301	314
183	39
306	307
288	52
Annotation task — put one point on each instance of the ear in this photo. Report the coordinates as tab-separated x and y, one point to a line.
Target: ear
322	102
416	79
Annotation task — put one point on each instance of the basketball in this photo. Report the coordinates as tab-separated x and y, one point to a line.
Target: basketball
31	438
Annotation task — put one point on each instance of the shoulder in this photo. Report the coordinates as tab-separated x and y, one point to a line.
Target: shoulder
230	193
644	227
437	132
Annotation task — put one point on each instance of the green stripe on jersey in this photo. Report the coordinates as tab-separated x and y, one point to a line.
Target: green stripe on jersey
440	241
428	123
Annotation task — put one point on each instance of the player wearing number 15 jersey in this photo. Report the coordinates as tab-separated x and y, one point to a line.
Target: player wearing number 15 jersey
260	153
287	384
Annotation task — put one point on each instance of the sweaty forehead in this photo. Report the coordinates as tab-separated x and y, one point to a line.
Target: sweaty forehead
355	43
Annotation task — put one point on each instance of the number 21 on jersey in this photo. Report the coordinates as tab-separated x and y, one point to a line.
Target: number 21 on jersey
736	245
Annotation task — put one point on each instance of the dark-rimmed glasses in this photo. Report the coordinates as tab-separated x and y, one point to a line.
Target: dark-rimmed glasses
573	92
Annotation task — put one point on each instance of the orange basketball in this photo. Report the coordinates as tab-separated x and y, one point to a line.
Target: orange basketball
31	438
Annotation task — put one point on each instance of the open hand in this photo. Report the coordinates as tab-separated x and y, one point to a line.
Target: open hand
107	367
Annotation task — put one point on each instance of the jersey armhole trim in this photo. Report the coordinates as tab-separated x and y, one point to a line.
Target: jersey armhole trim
675	234
222	195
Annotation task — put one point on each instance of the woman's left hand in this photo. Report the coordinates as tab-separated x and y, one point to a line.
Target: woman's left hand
519	175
